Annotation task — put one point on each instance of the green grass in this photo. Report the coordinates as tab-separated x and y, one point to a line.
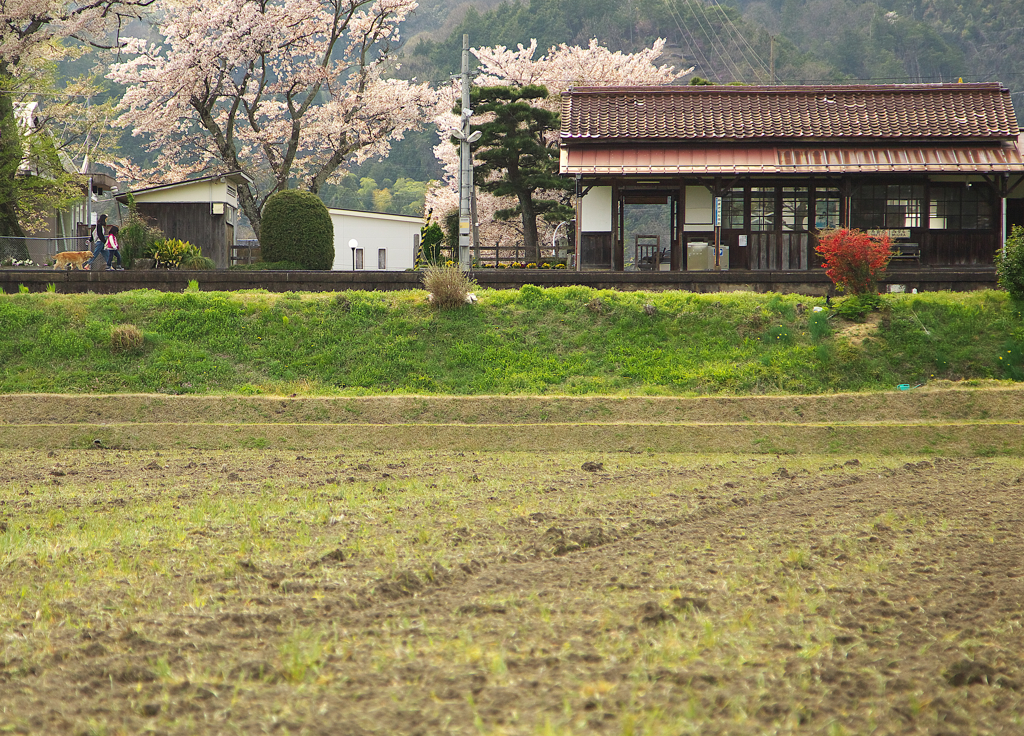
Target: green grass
567	340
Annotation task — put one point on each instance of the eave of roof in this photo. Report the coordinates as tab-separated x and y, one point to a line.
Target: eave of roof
410	219
235	176
627	160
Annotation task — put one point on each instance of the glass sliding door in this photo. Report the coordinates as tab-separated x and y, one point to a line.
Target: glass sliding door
647	235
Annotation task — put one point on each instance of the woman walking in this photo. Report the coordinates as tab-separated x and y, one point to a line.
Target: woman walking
100	243
112	249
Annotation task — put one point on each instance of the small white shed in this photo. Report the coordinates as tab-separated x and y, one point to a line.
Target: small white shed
374	241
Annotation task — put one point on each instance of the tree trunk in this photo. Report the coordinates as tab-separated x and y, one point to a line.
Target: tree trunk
531	242
248	204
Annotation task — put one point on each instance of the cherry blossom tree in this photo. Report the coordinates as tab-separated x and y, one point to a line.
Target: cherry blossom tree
286	91
31	36
566	66
559	69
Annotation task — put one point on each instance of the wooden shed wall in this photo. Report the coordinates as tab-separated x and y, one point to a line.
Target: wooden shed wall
192	221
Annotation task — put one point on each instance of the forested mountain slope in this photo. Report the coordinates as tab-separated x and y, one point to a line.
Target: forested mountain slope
753	41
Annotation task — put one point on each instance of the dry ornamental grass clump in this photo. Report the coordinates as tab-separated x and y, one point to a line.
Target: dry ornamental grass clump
126	339
448	287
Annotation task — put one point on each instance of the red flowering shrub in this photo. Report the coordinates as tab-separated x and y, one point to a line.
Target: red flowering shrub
853	259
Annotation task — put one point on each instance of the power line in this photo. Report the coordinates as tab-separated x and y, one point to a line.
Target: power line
743	39
726	57
708	69
901	80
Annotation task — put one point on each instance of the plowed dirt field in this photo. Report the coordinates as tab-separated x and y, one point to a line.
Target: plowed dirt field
398	592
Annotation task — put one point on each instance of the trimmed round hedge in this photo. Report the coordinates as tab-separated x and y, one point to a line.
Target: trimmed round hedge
297	227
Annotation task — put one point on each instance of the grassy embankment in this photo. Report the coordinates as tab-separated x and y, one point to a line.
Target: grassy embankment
561	341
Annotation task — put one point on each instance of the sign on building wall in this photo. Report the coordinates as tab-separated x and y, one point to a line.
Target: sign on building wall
893	234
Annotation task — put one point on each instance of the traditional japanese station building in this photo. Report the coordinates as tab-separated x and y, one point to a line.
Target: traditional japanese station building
938	166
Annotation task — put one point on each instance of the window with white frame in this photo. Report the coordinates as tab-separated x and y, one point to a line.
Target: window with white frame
796	202
762	208
382	259
359	258
732	209
826	208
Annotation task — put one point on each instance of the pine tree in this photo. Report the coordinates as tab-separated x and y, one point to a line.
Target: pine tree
515	159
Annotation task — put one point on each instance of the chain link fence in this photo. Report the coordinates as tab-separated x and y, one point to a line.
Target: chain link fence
39	250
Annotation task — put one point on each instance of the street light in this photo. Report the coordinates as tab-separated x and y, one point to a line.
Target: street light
353	244
473	137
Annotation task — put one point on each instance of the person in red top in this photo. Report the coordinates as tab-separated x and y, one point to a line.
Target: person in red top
112	249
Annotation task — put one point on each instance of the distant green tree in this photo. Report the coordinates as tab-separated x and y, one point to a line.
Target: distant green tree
516	159
407	197
10	159
401	197
367	186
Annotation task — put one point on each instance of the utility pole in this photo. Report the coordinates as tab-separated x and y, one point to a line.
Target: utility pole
466	190
476	225
87	169
466	166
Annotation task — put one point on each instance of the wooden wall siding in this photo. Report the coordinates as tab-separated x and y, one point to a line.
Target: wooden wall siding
192	222
779	251
596	250
958	249
739	258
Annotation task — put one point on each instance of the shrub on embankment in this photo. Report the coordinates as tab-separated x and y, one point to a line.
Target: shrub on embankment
569	340
296	227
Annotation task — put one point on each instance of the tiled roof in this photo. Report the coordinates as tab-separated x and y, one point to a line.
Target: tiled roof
973	111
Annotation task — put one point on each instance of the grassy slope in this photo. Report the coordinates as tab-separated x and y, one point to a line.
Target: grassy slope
571	340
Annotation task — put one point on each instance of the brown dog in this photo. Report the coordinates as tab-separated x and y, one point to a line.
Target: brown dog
71	259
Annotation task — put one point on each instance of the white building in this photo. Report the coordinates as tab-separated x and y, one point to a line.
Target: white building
373	241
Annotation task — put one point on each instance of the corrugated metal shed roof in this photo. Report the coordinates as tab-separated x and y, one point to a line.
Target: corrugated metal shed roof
655	159
973	111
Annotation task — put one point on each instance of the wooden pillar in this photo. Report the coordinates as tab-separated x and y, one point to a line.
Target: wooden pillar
618	259
846	194
678	215
578	230
1004	190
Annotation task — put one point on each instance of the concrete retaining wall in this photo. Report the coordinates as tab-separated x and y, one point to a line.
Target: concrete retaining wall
785	282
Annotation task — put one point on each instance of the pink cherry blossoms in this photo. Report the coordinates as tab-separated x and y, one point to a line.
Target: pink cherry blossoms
284	90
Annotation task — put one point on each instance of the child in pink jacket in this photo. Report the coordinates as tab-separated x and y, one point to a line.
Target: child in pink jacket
112	249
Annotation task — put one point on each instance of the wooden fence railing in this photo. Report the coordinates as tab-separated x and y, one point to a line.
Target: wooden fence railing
245	251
